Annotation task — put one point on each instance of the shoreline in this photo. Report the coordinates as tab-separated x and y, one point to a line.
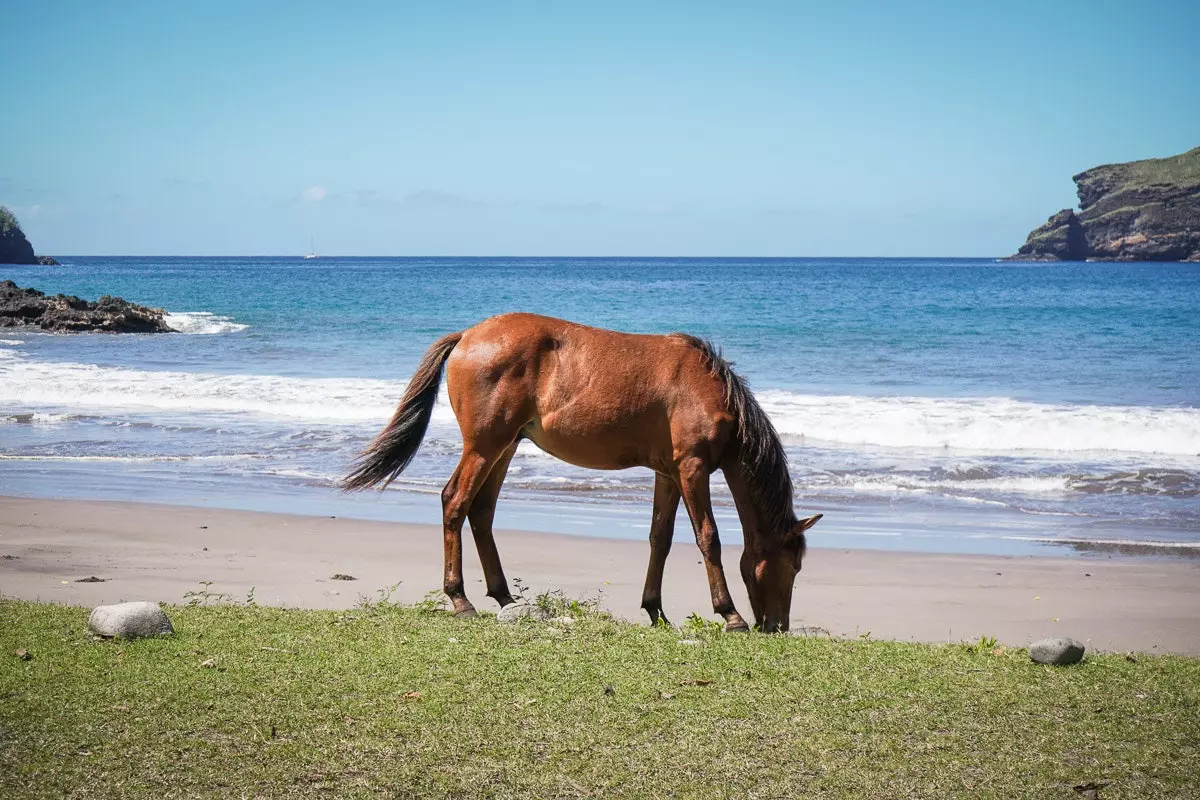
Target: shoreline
164	552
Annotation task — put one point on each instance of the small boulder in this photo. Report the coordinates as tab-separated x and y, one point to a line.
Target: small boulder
129	621
1057	650
515	611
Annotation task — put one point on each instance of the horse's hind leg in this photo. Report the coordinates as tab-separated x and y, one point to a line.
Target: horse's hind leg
693	480
473	469
662	529
481	515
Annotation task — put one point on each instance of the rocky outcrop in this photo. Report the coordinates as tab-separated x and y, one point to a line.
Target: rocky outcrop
1140	211
14	247
68	314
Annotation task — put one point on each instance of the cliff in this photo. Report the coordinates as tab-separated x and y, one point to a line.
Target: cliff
1140	211
69	314
14	247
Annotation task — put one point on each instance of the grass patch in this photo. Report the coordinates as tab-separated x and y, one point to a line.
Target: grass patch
409	702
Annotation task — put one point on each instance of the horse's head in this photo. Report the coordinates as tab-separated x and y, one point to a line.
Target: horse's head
769	568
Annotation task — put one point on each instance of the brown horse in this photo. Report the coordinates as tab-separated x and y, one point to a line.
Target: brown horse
604	400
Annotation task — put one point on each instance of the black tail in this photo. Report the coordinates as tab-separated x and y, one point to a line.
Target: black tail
395	446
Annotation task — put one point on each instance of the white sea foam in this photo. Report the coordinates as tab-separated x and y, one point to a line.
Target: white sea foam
26	383
11	342
202	322
130	459
885	483
986	424
39	418
966	424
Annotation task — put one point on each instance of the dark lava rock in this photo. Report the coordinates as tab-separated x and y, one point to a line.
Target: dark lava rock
1060	239
1058	650
1139	211
68	314
48	261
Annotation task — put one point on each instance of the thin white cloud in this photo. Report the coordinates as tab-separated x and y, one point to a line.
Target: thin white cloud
313	194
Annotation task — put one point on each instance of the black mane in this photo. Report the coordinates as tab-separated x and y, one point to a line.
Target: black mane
762	457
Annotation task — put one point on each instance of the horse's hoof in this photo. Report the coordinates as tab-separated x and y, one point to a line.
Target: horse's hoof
737	626
466	613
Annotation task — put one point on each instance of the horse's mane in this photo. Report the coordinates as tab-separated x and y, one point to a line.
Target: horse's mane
761	454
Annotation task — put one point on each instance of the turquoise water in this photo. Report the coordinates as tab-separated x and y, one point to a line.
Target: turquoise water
925	404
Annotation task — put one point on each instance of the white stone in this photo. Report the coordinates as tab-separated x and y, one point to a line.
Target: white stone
1058	651
515	611
129	620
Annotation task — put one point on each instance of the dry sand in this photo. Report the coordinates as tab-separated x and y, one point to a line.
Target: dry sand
156	552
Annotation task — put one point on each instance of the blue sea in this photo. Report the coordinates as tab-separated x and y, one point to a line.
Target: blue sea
937	405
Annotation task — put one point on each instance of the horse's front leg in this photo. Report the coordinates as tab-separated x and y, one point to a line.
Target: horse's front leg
662	530
693	479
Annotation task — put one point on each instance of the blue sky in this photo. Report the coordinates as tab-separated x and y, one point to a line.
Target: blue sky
769	129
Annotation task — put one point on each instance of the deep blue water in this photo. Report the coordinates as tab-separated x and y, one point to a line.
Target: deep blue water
935	404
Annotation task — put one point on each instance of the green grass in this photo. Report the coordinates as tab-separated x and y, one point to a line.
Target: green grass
409	702
1181	170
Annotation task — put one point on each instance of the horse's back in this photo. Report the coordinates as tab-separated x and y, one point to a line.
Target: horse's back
594	397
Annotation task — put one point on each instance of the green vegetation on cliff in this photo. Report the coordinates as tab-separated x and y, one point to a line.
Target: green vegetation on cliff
14	247
1139	211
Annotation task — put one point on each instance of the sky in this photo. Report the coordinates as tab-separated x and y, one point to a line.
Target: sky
658	129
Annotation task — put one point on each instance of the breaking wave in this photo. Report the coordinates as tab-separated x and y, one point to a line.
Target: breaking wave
202	322
987	425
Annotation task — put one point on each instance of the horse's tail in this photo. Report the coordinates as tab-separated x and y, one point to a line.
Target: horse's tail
391	451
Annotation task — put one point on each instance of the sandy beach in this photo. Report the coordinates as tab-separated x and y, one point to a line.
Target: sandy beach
160	553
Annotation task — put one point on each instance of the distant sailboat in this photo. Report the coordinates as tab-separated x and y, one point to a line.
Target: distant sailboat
312	250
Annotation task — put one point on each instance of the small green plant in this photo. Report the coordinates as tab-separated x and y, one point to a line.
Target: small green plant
434	600
250	598
698	624
381	602
987	643
559	605
204	596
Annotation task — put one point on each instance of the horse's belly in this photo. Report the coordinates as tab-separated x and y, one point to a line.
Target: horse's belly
590	451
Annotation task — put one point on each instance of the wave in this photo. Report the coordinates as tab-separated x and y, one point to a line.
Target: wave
25	383
204	322
10	342
890	483
42	418
129	459
986	425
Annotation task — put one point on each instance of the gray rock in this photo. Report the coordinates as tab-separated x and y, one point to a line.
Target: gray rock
1058	650
129	621
515	611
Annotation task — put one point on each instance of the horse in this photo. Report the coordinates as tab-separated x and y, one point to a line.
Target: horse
608	400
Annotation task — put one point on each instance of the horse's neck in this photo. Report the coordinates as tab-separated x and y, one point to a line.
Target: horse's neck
757	524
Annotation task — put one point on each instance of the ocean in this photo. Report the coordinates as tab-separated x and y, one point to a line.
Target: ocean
949	405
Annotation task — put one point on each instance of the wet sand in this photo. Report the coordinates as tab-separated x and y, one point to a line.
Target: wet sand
161	553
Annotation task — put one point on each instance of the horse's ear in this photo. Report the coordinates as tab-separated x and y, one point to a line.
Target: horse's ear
797	531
